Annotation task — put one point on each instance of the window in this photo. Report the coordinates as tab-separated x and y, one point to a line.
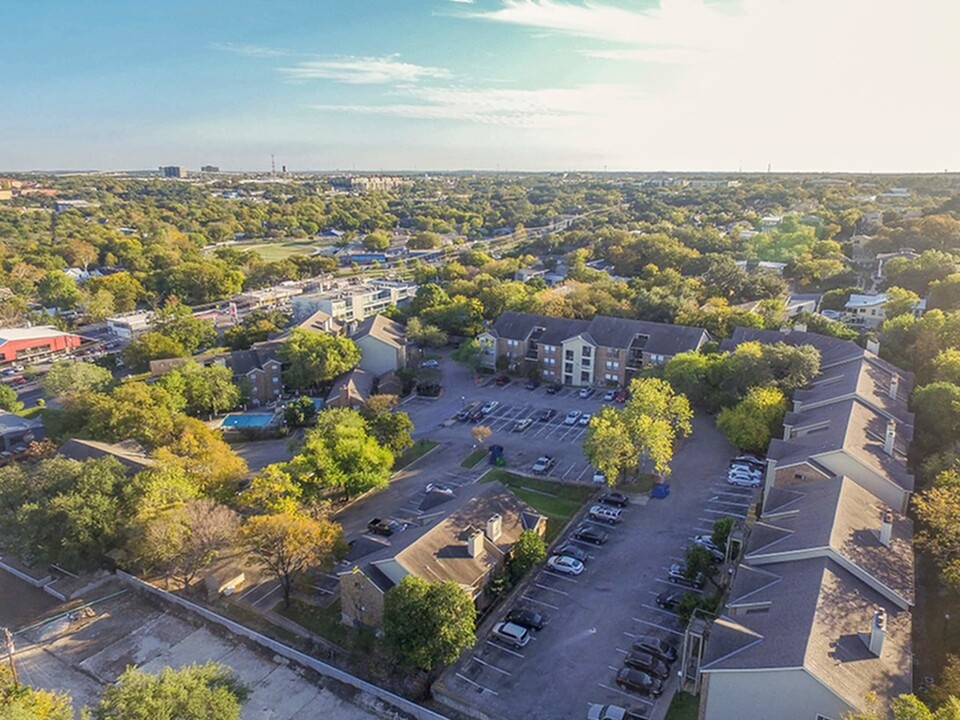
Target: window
611	377
276	379
584	376
512	343
550	348
548	373
586	351
568	368
612	365
549	361
568	355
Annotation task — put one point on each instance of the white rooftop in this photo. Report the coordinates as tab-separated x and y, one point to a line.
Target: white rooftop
861	301
31	333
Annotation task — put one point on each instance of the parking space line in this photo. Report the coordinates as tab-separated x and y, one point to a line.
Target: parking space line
547	587
730	502
626	694
584	472
492	667
558	575
502	648
717	512
659	627
658	610
541	602
476	684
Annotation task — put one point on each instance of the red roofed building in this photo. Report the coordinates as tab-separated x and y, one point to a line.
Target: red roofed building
19	343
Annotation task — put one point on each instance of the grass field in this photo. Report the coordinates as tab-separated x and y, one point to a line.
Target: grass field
474	458
411	454
281	250
684	707
558	502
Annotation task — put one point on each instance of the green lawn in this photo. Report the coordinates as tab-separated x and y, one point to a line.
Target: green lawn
282	250
684	707
558	502
325	622
474	458
411	454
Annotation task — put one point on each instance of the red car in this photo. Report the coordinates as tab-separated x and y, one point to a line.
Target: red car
621	396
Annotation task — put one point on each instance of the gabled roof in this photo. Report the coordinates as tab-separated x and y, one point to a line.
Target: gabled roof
320	322
551	330
130	454
832	350
383	329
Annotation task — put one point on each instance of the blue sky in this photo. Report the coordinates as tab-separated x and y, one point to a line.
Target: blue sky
858	85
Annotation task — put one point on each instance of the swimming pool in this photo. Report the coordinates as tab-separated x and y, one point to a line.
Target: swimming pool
247	421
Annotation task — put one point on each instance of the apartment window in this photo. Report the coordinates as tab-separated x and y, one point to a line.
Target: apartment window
568	355
549	361
568	368
511	355
276	379
799	476
550	348
512	343
548	373
612	365
586	351
584	376
610	377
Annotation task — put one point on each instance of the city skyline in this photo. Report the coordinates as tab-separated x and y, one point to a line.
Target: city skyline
681	85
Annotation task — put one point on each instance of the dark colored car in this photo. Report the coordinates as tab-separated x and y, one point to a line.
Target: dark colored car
590	534
650	664
554	389
571	550
532	385
465	414
639	681
526	618
502	381
616	499
656	646
621	397
677	574
477	415
384	527
547	415
669	599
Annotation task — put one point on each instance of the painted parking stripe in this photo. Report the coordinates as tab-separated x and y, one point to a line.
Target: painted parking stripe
547	587
631	696
658	610
489	665
558	575
504	649
476	684
658	626
539	602
679	587
716	512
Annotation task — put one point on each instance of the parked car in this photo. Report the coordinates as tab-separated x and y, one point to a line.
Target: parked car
490	407
384	527
585	419
565	564
650	664
477	415
465	413
522	425
609	395
586	392
656	646
502	381
590	534
707	542
599	477
615	712
571	550
677	574
543	464
511	634
524	617
605	513
554	389
532	384
616	499
743	480
621	396
547	415
744	469
440	488
751	459
639	681
669	599
572	417
427	364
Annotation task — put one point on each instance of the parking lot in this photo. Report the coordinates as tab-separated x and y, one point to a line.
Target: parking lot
593	618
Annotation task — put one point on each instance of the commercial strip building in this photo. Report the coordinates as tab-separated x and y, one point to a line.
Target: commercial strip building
602	351
818	621
21	344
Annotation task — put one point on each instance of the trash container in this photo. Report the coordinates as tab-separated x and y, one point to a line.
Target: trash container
660	490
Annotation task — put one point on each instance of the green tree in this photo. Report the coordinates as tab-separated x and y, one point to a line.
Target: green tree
426	624
945	294
314	358
424	241
127	292
59	290
946	366
204	389
9	400
272	492
289	544
176	321
468	354
204	282
425	335
699	561
429	295
937	408
751	423
938	510
721	531
151	346
528	551
22	702
300	412
67	376
196	692
255	327
391	428
608	445
899	302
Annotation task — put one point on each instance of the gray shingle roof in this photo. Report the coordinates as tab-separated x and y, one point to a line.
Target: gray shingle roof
832	350
382	328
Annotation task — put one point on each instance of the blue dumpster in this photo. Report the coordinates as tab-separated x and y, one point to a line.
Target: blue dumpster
660	490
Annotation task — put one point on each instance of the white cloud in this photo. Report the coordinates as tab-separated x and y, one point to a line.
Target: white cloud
363	70
257	51
464	2
660	56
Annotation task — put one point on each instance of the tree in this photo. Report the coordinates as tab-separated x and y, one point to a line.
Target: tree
22	702
391	429
151	346
481	433
98	305
468	354
424	240
176	321
9	400
938	510
376	241
937	408
59	290
949	685
67	376
946	367
608	445
945	294
125	290
428	624
429	295
201	390
289	544
184	540
425	335
204	282
314	358
271	492
721	531
699	561
900	302
300	412
751	423
197	692
528	551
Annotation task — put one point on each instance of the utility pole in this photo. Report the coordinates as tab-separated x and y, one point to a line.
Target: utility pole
8	637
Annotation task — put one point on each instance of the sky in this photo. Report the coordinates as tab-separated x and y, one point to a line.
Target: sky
645	85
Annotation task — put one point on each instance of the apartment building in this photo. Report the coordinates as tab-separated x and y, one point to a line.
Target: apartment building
356	302
602	351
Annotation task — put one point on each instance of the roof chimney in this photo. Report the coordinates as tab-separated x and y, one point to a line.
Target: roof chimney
475	544
886	526
894	386
494	527
878	632
890	438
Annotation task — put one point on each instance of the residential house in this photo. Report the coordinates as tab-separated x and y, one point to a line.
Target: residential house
320	322
257	368
602	351
468	545
383	345
865	311
16	431
352	389
128	453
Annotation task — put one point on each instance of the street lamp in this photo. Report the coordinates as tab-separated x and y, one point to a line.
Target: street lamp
463	401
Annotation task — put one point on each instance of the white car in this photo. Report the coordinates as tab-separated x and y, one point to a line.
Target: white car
565	564
585	419
609	395
743	480
613	712
572	417
523	424
511	634
744	469
490	407
605	513
585	392
439	488
429	364
543	464
599	477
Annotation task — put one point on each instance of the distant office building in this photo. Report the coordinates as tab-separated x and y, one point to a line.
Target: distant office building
173	171
130	324
210	169
368	183
354	303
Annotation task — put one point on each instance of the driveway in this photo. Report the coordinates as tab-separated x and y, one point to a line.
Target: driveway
593	618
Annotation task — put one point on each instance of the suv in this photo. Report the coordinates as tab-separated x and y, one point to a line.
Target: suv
543	464
677	574
586	392
650	664
605	513
511	634
655	646
639	681
742	480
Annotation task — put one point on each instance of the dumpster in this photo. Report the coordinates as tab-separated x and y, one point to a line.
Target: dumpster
660	490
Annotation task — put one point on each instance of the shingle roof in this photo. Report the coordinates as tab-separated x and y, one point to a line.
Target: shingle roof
383	329
832	350
518	326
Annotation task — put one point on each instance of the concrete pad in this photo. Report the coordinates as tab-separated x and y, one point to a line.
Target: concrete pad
149	641
199	646
280	695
